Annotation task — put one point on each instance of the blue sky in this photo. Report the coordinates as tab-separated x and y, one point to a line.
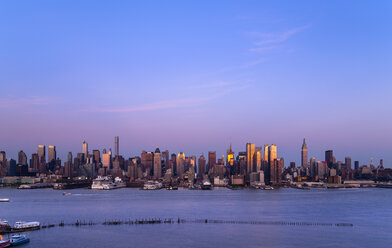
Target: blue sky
194	75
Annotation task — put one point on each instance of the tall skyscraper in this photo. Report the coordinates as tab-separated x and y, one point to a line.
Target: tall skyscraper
257	158
356	165
34	162
250	151
347	161
69	157
22	158
304	155
107	159
201	170
272	153
11	164
266	151
180	164
96	157
41	153
329	158
165	159
51	154
116	145
211	160
230	157
85	149
157	164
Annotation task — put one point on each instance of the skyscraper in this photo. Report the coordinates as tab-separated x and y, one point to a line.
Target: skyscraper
272	153
41	153
257	159
266	150
250	151
34	162
22	158
201	170
96	157
69	157
165	159
211	160
230	157
116	145
347	161
107	159
85	149
329	158
51	153
180	164
157	164
304	155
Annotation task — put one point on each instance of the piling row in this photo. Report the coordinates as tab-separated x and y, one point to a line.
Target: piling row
199	221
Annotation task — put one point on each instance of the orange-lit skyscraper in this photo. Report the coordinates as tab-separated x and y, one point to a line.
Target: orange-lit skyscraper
157	164
250	151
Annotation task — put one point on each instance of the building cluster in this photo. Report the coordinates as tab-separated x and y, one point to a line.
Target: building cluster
332	171
254	166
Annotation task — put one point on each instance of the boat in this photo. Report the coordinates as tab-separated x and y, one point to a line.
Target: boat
172	187
106	183
67	193
206	185
4	243
4	200
18	239
26	226
4	226
152	185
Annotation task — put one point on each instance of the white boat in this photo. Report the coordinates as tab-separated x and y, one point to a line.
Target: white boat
18	239
4	226
206	185
4	200
24	226
106	183
152	185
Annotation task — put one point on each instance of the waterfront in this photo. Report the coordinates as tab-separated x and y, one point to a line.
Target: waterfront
367	209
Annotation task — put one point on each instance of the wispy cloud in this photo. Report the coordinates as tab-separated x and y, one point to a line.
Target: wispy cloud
11	102
275	38
254	62
216	84
172	104
264	49
267	42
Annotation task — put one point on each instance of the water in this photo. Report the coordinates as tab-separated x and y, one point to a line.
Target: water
370	210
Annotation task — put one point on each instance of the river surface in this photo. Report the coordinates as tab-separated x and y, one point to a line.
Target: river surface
369	210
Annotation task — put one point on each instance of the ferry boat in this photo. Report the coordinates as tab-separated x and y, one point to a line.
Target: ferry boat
152	185
106	183
4	226
206	185
26	226
19	239
4	243
4	200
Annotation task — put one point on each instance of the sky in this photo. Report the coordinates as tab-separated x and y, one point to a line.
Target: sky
195	76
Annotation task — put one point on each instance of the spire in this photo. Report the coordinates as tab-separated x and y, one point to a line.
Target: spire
304	144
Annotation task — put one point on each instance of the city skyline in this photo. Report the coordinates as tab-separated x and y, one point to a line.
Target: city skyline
47	151
196	77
